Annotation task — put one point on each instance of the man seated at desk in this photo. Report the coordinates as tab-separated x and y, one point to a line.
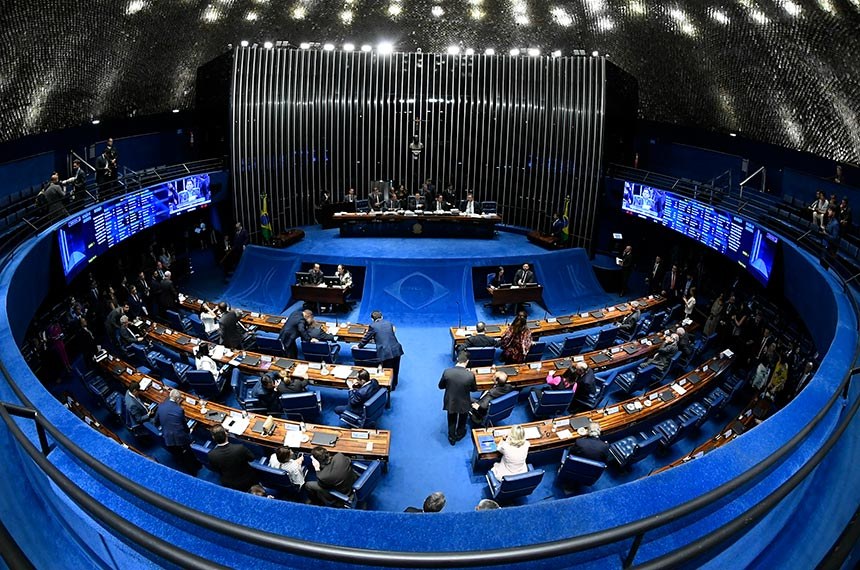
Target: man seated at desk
344	276
524	275
315	275
295	384
440	205
662	359
591	446
393	203
479	339
334	473
264	392
416	201
350	197
360	391
480	406
469	206
316	332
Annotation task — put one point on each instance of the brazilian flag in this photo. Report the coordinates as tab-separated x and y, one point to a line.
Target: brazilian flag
265	222
565	231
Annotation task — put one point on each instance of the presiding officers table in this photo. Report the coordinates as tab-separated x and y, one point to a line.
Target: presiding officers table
515	294
417	224
357	443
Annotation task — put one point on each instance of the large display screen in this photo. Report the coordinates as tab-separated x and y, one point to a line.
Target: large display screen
740	240
92	232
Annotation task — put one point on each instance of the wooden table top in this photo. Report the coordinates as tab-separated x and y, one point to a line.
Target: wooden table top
424	215
534	373
258	363
79	410
346	332
569	323
346	443
558	433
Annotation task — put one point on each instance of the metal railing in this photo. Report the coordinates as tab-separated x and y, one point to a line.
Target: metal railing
496	557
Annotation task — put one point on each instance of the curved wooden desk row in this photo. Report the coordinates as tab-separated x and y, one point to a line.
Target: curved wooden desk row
79	410
332	376
534	373
568	323
561	432
346	332
753	415
357	443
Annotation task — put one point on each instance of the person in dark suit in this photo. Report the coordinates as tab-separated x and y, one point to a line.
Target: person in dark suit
231	327
416	201
112	322
136	304
626	269
469	206
168	297
500	388
524	275
393	203
334	473
434	503
557	226
591	446
663	357
654	279
105	169
479	339
54	195
266	395
78	181
440	205
586	384
629	322
672	283
174	429
293	385
498	279
125	335
458	383
685	345
295	328
830	241
135	408
316	332
361	391
388	348
315	275
230	461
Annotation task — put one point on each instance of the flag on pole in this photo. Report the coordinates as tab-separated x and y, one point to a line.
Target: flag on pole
265	223
565	230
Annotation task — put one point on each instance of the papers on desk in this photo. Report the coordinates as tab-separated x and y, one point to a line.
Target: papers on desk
332	328
145	382
532	432
341	372
293	439
218	352
501	432
301	370
583	315
236	424
551	320
471	329
679	389
564	434
460	332
726	354
484	370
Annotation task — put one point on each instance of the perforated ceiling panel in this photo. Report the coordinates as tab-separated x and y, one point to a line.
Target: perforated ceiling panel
782	71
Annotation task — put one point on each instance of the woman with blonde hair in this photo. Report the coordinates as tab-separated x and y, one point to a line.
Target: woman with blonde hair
515	451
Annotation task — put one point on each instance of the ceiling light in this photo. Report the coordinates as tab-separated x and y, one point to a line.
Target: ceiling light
470	51
556	53
476	13
305	45
346	16
514	52
366	48
733	134
395	9
595	53
328	47
489	51
251	16
96	121
384	48
534	52
244	43
268	45
453	50
299	13
175	111
348	47
437	11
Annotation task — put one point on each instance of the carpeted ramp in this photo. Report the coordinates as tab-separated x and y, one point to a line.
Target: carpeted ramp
262	280
569	281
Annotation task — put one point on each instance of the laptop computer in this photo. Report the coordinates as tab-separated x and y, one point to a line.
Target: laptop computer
324	439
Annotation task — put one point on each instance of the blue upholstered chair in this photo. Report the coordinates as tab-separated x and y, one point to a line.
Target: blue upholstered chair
301	406
141	357
369	475
536	352
241	384
604	339
549	403
203	383
320	351
201	451
372	411
571	346
196	328
272	478
697	410
365	356
579	470
500	408
269	343
481	356
629	450
171	372
716	400
513	486
635	380
175	320
659	377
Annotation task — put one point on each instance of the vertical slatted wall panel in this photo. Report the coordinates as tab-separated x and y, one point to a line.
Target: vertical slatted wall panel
523	131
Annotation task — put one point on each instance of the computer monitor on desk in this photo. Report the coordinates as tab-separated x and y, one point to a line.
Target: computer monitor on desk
331	280
302	277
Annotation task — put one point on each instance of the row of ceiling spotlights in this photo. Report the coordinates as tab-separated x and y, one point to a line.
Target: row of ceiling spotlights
386	48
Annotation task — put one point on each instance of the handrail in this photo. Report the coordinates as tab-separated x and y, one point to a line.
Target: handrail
428	559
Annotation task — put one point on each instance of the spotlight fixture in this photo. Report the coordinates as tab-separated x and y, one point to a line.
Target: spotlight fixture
515	52
595	53
268	45
437	11
470	51
328	47
733	134
366	48
489	51
453	50
305	45
534	52
556	53
175	110
96	121
348	47
384	48
244	43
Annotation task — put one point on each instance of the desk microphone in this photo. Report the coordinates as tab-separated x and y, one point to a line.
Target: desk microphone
545	313
459	324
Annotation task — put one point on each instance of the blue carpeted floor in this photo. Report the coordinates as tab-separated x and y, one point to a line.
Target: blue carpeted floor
422	461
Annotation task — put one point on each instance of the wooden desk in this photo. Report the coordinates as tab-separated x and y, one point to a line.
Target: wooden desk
612	418
320	294
346	332
262	363
423	224
88	418
534	373
569	323
514	295
755	413
346	444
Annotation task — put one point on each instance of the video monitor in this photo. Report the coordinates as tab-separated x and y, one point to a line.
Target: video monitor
302	277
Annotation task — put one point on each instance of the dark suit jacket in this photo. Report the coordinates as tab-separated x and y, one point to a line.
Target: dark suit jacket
463	206
337	474
479	340
168	298
231	331
231	462
492	394
458	383
524	276
432	206
359	396
315	277
414	204
318	333
684	345
136	306
586	385
381	332
664	356
137	413
293	385
591	448
268	399
294	328
667	283
497	281
174	428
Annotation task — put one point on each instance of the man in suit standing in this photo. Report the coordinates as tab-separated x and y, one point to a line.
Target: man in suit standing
78	181
334	473
672	283
458	383
626	268
479	339
500	388
168	297
54	195
524	275
591	446
361	391
136	304
230	461
295	328
388	348
174	429
469	206
655	275
135	408
231	328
